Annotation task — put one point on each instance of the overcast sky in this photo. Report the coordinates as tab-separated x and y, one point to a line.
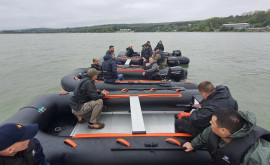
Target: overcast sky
21	14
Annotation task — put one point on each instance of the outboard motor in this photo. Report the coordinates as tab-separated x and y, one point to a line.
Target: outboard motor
177	53
173	61
177	73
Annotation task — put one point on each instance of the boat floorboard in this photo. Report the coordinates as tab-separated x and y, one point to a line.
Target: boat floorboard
155	122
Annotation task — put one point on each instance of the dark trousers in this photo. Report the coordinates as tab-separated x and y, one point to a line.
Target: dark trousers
184	126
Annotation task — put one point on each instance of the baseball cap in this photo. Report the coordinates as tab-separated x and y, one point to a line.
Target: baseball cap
11	133
92	71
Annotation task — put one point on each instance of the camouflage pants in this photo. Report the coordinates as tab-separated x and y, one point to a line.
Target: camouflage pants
92	108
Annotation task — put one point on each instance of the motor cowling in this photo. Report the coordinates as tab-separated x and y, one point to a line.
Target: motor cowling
177	73
177	53
173	61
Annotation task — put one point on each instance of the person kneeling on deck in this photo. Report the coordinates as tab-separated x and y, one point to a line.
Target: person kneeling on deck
152	70
213	98
19	147
109	69
87	100
234	138
160	58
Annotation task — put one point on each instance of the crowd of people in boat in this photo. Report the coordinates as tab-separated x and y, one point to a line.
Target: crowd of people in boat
152	62
231	136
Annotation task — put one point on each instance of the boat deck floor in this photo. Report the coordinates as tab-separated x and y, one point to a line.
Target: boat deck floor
120	122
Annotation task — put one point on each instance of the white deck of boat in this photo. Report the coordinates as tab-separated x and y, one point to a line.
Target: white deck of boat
120	122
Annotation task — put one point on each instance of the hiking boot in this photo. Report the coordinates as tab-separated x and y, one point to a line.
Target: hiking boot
96	125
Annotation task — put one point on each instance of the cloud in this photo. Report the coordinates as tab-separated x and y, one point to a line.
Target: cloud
18	14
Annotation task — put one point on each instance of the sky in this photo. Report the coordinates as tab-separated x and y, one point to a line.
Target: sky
23	14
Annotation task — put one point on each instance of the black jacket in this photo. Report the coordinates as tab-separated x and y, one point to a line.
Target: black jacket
147	53
130	52
109	68
220	98
160	47
85	91
97	67
33	155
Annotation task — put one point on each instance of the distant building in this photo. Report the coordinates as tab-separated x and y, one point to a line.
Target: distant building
238	25
125	30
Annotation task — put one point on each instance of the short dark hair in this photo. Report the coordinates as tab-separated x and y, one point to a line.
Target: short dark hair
111	46
207	87
229	119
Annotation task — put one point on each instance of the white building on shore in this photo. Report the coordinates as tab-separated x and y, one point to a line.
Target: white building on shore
238	25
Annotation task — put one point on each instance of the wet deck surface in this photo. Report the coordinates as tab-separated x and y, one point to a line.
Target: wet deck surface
120	122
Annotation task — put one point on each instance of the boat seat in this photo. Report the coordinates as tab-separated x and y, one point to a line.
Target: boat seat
128	62
136	116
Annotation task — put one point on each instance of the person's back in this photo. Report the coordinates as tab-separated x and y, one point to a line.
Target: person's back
214	98
109	69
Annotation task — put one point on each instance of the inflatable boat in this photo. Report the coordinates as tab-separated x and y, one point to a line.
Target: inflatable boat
132	135
173	59
131	75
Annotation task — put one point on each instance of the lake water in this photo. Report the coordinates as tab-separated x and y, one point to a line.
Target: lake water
33	64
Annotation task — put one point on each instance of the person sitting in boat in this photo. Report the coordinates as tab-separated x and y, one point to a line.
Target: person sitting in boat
18	145
149	44
213	98
111	50
130	51
234	138
87	100
152	70
160	58
146	53
109	69
97	67
159	46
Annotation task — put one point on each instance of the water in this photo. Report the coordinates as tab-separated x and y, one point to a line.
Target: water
33	64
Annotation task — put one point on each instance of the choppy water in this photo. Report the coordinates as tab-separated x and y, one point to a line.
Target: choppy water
33	64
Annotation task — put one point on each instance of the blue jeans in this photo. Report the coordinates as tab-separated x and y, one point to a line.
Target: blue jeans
120	77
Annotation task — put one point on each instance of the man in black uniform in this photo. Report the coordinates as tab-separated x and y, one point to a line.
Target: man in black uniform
19	147
214	98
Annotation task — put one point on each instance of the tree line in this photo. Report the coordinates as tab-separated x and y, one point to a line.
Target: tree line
259	19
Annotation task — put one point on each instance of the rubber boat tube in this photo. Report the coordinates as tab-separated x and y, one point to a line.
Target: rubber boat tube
56	122
70	81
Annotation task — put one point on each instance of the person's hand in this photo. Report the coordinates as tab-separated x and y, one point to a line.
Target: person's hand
105	92
188	147
143	73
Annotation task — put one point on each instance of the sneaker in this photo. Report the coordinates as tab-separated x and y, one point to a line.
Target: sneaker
96	125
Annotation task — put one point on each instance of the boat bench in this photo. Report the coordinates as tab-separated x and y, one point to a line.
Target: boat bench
136	116
127	62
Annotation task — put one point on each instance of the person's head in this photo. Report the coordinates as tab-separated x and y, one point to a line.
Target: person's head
96	61
206	88
151	60
226	122
148	42
93	73
147	46
111	48
160	42
15	138
130	46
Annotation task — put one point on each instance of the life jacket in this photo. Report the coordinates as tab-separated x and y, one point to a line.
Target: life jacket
26	157
107	69
233	152
162	59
